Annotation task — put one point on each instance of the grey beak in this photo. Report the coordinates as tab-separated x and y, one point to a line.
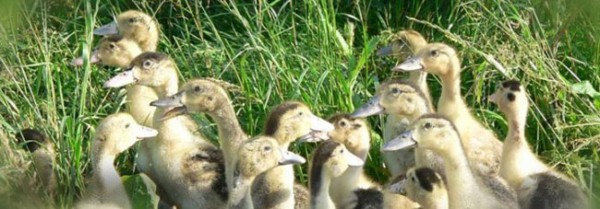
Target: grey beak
108	29
288	158
170	101
403	141
372	107
411	64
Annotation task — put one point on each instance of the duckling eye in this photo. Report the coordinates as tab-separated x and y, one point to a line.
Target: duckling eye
301	113
127	125
111	46
147	63
412	178
267	148
131	20
342	151
427	125
434	53
343	124
395	90
197	89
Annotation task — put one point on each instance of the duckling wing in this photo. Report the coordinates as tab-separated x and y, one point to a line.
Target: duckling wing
504	194
550	191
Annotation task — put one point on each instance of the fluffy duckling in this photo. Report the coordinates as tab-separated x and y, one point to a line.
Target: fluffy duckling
405	44
115	134
404	103
355	135
437	133
330	160
286	123
187	166
425	186
43	155
134	25
537	185
481	145
114	51
207	96
255	157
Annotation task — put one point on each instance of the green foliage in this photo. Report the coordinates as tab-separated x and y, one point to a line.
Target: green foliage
316	51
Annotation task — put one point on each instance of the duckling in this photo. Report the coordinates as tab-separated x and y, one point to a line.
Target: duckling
438	133
207	96
355	135
255	157
537	185
43	154
425	186
481	145
286	123
405	44
134	25
187	166
116	51
403	102
115	134
330	160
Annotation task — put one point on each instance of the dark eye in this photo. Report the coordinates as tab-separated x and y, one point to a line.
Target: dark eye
343	124
413	178
197	89
112	46
127	126
342	151
427	125
395	90
147	63
131	20
267	148
434	53
301	113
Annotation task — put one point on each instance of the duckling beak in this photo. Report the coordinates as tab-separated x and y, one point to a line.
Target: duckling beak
385	51
399	187
94	59
108	29
145	132
411	64
314	136
319	124
176	111
403	141
288	158
120	80
493	98
372	107
352	159
170	101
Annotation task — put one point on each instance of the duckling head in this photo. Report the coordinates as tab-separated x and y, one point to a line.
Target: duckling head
195	96
403	44
430	131
420	183
353	133
32	139
511	99
436	58
131	24
117	132
114	51
260	154
292	120
395	97
149	69
333	159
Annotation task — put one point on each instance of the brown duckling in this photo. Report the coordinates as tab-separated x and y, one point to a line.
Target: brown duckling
42	151
134	25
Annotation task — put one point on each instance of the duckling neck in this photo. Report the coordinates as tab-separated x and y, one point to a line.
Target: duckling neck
451	90
284	137
230	132
419	78
319	188
168	88
240	197
108	180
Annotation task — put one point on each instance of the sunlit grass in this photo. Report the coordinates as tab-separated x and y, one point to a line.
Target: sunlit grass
319	52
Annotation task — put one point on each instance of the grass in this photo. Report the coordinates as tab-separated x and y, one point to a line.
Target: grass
317	51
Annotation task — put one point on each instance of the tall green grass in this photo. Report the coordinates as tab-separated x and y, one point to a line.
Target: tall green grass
317	51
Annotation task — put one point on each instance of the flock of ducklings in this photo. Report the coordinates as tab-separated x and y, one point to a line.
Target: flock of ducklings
440	157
